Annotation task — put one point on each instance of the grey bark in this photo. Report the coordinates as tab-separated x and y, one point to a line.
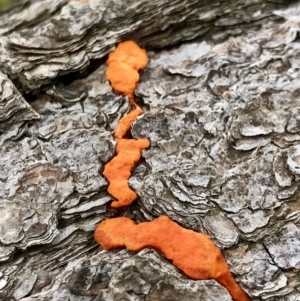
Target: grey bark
221	112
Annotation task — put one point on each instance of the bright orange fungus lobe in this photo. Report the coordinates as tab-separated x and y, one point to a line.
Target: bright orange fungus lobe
123	66
193	253
118	170
122	72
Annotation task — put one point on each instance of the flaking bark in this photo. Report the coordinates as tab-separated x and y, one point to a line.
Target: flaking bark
221	112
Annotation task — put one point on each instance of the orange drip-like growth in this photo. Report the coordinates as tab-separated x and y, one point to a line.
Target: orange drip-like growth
123	66
193	253
125	122
118	170
123	74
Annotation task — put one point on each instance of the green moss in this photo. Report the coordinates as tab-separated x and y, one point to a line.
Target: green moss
5	4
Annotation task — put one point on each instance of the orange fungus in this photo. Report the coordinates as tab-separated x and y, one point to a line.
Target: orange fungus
193	253
125	122
124	64
118	170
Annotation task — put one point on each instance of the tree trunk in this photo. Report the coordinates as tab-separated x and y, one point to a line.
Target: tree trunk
221	101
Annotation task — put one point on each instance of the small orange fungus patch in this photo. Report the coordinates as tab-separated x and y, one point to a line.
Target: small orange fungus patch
118	170
125	122
193	253
123	66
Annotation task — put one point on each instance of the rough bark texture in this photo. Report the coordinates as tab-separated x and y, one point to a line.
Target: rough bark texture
221	112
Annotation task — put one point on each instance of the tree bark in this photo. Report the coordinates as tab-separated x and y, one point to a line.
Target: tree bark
221	102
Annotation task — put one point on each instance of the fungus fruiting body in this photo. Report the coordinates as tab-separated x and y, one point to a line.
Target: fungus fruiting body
193	253
125	122
124	64
118	170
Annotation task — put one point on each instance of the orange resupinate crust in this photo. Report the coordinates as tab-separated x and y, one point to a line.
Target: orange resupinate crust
118	170
124	64
193	253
